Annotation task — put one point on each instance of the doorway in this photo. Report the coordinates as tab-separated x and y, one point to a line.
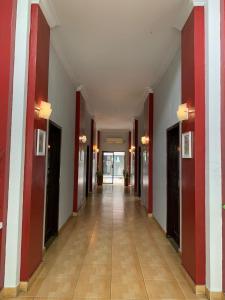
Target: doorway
53	183
113	165
173	185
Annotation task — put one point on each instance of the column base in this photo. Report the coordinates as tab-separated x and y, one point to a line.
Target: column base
214	295
10	292
25	285
198	289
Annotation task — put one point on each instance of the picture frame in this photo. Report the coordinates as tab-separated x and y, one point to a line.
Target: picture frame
187	145
40	142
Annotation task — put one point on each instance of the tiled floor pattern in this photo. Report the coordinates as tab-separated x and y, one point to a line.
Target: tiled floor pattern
111	251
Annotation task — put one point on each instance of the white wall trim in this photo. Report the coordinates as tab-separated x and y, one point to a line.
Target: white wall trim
213	149
16	176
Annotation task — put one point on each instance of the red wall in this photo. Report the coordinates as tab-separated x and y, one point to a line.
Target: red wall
145	122
150	151
76	151
99	147
223	122
130	154
7	43
136	144
193	170
82	127
34	173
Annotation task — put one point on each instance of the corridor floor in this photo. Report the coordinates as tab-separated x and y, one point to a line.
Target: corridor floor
112	250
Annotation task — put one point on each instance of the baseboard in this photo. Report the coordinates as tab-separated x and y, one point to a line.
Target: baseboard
214	295
198	289
25	285
160	227
10	292
65	224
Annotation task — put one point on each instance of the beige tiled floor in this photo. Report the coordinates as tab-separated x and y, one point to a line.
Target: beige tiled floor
111	251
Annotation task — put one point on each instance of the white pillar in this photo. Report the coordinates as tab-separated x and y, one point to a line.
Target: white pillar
213	149
15	198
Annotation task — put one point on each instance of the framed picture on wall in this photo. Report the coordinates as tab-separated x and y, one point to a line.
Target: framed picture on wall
187	145
40	142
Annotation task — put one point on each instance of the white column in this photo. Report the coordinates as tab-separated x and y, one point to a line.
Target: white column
15	198
213	149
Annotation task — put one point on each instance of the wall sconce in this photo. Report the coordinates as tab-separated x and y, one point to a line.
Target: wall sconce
95	149
44	111
132	149
183	112
83	139
145	140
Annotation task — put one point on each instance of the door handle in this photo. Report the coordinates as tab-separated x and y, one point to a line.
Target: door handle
1	225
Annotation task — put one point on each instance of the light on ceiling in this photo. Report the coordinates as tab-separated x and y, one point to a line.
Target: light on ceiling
145	140
44	110
183	112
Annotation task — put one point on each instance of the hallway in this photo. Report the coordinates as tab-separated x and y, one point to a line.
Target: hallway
111	251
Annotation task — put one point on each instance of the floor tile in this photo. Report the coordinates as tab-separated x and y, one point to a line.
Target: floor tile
161	289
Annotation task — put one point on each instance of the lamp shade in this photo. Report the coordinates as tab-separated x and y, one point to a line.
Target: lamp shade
183	112
83	139
45	110
145	140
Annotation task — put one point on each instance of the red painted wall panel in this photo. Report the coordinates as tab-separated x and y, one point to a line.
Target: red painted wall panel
34	173
76	152
136	145
99	147
82	127
193	170
7	46
150	152
130	154
223	122
91	154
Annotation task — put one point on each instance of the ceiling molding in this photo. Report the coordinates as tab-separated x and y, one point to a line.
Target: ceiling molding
57	46
49	13
183	15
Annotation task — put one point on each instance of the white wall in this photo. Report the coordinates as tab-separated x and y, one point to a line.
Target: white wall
213	149
62	98
166	100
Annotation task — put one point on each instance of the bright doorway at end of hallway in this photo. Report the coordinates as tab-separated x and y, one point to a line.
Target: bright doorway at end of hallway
113	167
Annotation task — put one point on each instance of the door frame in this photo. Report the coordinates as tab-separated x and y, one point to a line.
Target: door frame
46	181
103	166
175	126
113	152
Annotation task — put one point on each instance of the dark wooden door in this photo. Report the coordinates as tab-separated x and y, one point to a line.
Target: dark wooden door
173	189
53	177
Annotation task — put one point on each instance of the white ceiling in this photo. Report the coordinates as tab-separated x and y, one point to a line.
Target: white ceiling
116	49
